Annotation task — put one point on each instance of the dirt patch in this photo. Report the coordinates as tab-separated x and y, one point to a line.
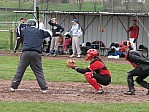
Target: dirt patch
65	57
29	91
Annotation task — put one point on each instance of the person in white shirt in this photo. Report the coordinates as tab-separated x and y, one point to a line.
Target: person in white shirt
75	31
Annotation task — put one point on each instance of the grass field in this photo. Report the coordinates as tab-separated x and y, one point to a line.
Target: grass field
55	70
72	107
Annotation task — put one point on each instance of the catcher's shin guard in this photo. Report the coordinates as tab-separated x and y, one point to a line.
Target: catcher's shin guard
92	81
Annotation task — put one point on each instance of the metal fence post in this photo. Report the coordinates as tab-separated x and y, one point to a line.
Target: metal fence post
11	39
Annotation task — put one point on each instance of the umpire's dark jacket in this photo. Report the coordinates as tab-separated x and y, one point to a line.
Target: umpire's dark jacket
33	38
138	60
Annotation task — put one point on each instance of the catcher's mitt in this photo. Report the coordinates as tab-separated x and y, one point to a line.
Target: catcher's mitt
71	63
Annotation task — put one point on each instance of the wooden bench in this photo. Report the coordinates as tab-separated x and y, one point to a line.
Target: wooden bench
103	50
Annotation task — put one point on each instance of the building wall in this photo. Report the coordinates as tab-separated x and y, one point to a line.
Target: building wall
113	32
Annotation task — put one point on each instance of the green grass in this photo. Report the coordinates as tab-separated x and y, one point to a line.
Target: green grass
72	107
86	6
4	40
55	70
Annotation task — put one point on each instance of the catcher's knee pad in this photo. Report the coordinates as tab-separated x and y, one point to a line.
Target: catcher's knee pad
88	75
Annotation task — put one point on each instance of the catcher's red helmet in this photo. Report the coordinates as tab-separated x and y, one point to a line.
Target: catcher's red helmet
124	45
91	53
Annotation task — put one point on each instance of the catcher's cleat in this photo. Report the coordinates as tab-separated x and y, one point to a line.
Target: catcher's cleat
100	91
12	89
129	93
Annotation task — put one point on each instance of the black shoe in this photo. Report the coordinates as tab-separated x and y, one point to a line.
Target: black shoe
129	93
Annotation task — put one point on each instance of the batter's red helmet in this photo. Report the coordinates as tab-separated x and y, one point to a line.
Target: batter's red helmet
91	53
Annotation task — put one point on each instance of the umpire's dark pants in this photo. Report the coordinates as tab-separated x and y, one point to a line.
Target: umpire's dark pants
33	59
142	74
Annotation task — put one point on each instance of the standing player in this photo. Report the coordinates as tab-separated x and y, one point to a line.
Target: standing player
96	74
141	67
134	32
32	47
19	29
56	32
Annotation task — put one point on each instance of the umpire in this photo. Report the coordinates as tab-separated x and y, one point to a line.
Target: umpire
32	47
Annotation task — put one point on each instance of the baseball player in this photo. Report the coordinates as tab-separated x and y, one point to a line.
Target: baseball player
56	31
134	32
97	73
19	29
32	47
141	67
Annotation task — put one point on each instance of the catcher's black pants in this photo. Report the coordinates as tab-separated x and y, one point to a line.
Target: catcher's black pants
33	59
142	74
102	79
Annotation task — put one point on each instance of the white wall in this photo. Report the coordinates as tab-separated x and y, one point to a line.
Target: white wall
113	32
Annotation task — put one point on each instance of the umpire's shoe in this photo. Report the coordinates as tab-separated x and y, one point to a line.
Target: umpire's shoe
44	91
12	89
130	92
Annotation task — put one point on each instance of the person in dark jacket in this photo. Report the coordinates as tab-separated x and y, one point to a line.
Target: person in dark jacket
19	29
141	67
56	32
31	55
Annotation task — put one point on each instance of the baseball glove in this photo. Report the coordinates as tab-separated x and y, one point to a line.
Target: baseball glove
71	63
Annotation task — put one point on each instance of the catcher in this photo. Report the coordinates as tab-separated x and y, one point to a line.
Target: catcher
141	67
96	74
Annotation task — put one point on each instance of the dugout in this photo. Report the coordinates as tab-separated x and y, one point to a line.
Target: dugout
114	24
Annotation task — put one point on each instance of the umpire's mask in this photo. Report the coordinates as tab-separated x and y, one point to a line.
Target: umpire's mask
31	22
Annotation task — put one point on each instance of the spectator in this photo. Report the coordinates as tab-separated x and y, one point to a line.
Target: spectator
75	30
32	47
19	29
66	43
56	32
134	32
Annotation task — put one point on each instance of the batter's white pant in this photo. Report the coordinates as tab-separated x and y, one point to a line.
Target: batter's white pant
134	46
76	45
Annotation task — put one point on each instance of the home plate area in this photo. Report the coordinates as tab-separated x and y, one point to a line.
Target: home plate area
29	91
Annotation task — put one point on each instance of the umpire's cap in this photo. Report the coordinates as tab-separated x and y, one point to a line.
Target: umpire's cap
31	22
